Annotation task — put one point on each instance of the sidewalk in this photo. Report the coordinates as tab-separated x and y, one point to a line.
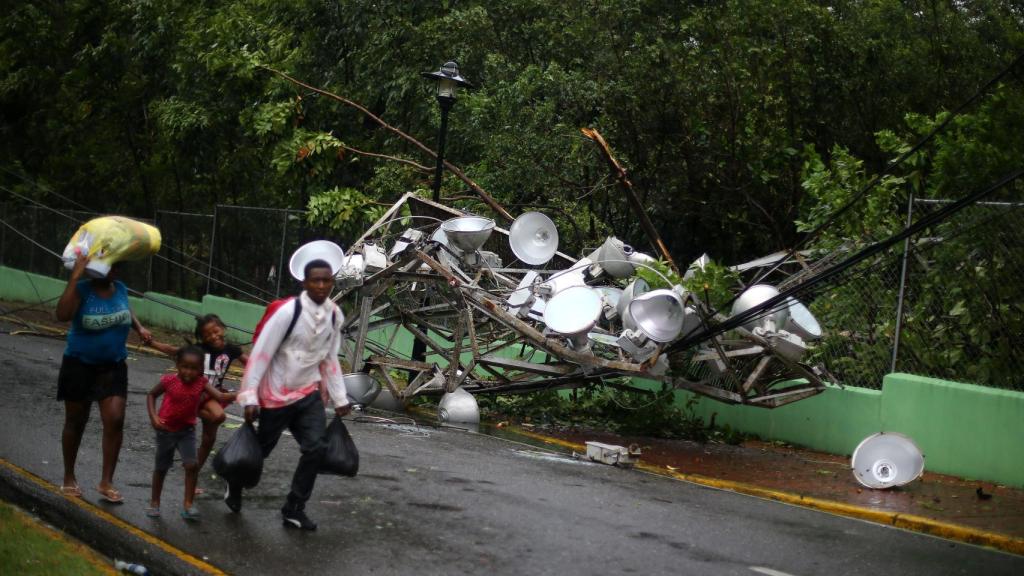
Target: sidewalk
961	509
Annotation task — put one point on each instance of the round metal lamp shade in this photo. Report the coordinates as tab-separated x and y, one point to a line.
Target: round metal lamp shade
316	250
659	314
468	233
887	459
610	296
443	255
533	238
387	401
613	257
459	406
362	389
801	322
573	310
755	295
634	289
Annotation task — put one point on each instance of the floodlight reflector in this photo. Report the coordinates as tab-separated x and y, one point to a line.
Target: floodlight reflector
753	297
887	459
533	238
468	233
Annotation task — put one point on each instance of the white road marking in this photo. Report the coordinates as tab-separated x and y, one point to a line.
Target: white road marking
768	571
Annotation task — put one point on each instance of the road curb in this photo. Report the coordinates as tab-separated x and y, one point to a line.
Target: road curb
910	522
99	529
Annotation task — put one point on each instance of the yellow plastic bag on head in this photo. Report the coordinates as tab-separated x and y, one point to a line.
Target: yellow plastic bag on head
110	239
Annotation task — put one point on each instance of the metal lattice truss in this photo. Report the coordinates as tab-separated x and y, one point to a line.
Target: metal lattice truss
428	318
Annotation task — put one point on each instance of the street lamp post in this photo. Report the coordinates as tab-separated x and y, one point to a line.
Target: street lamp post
448	82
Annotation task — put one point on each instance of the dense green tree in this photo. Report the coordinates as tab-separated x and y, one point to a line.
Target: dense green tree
130	105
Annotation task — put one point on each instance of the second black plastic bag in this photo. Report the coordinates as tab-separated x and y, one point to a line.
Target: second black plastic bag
240	460
342	458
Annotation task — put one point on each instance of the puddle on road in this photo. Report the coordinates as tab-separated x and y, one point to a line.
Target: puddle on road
422	425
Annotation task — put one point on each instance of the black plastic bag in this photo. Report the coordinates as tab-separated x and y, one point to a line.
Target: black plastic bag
342	458
240	460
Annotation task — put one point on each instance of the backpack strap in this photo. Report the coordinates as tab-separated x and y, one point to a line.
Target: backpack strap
298	312
295	318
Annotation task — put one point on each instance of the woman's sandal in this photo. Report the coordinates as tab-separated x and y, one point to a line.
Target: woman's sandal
72	491
110	495
190	514
153	512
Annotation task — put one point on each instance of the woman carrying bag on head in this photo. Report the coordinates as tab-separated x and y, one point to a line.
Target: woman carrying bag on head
94	369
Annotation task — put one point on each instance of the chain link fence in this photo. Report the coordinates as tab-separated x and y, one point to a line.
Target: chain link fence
250	249
963	307
948	303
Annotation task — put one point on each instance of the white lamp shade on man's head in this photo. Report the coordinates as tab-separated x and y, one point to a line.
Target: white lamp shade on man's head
316	250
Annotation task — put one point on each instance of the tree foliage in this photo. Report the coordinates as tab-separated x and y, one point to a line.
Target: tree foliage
129	105
962	313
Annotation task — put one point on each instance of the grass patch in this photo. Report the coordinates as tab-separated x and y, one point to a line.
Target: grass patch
28	548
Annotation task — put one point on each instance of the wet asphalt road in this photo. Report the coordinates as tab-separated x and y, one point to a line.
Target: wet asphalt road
430	501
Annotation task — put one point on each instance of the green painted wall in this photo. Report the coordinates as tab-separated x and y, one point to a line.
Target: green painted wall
20	286
234	313
156	314
834	421
963	429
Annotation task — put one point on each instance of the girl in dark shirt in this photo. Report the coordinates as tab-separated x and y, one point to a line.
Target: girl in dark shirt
219	355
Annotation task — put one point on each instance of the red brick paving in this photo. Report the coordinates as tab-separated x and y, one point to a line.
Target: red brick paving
804	472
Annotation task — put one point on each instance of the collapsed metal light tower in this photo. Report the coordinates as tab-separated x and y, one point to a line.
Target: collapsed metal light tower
546	320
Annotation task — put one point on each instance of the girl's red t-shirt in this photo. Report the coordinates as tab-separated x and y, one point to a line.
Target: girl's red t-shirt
181	401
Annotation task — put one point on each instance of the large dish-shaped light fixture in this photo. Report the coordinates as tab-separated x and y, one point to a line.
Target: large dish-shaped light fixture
755	296
533	238
468	233
658	314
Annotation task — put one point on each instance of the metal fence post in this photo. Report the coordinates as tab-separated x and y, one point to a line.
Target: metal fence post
33	233
149	271
213	243
280	255
903	287
3	235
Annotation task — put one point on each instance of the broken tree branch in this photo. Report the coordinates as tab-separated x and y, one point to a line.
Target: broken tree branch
620	174
419	167
484	195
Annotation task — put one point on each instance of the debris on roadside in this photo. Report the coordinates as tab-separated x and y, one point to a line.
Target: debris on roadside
129	568
612	454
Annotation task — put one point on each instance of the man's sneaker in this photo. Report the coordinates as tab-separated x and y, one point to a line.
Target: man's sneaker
297	519
233	498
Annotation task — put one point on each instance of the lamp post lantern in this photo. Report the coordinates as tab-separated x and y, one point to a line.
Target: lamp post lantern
448	82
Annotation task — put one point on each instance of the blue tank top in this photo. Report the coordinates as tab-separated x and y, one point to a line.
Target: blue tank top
99	330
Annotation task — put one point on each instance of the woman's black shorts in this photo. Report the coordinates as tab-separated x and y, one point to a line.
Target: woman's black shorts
83	382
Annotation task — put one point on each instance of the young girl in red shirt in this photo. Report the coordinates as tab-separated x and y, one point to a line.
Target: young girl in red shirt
219	354
175	424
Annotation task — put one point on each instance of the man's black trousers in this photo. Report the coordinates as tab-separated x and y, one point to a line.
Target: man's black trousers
306	421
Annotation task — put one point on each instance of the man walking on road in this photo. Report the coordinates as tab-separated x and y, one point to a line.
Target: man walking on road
293	359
